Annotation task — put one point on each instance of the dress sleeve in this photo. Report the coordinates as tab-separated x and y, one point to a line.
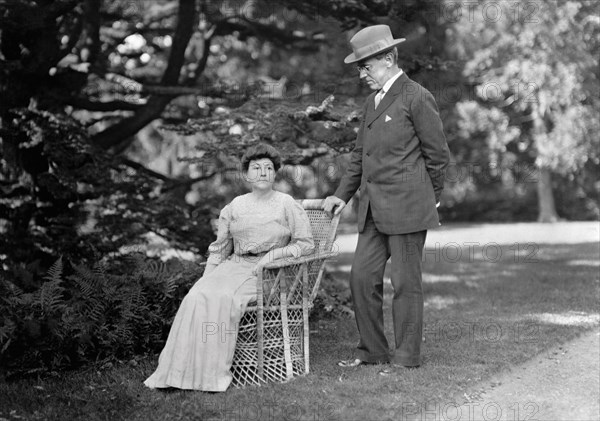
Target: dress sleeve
301	241
222	247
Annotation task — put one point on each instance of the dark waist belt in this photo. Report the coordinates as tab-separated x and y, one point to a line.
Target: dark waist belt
262	253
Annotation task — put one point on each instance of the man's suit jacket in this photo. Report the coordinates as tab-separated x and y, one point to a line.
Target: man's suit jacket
398	161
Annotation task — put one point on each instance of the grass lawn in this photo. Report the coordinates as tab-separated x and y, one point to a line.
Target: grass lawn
495	296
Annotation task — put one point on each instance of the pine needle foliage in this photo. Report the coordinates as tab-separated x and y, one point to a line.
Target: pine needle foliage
302	131
63	196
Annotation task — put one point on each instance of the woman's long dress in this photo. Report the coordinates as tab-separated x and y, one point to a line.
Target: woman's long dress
199	350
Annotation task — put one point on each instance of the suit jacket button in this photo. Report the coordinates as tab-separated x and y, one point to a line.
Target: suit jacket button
368	154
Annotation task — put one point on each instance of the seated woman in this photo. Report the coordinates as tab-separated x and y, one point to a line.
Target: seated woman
254	229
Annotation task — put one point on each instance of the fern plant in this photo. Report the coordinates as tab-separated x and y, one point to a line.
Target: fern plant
80	314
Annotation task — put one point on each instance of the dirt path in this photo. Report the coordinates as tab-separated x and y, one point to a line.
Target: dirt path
560	384
558	233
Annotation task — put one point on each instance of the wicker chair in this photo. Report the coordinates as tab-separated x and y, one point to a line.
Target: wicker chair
273	335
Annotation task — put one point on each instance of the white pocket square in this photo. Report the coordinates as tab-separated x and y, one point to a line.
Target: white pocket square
387	118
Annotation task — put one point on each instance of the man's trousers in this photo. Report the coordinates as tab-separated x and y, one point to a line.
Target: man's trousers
366	284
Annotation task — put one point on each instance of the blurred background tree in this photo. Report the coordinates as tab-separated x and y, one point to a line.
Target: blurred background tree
534	69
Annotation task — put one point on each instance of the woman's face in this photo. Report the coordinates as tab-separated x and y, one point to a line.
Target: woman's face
261	174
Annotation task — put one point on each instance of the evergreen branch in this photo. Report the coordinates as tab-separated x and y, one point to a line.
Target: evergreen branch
102	106
139	167
186	183
59	8
127	127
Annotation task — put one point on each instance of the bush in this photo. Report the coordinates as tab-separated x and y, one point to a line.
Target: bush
333	300
77	314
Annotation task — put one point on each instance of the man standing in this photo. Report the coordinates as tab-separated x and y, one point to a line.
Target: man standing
398	162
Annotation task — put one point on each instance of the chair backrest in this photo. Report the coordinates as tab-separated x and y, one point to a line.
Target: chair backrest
323	227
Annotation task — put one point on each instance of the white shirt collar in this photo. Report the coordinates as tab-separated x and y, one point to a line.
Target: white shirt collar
387	85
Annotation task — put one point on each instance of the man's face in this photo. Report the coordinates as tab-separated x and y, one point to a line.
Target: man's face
374	71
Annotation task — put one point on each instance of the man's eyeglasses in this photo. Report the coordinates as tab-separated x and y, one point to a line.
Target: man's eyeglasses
367	67
363	67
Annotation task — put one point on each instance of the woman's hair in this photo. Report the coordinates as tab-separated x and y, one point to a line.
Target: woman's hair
261	151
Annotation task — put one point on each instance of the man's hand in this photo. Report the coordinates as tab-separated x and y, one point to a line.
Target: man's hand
331	203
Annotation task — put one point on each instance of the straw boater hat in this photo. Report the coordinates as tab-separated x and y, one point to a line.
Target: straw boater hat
371	41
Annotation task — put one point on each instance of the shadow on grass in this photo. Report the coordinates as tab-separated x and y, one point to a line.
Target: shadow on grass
484	313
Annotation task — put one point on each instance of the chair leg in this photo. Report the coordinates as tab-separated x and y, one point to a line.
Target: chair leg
287	353
305	294
306	337
260	330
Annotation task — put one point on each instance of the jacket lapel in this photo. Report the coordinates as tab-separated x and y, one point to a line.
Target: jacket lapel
387	100
370	108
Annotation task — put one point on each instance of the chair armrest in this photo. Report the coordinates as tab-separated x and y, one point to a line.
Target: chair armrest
290	261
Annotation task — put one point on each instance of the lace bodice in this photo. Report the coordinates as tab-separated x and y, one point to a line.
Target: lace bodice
250	226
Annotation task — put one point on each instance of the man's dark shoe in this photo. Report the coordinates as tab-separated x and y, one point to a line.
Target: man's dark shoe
396	368
353	363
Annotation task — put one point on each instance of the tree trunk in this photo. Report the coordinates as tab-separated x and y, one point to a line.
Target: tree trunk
546	207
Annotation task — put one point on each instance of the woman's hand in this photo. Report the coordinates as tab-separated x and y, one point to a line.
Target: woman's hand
261	264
